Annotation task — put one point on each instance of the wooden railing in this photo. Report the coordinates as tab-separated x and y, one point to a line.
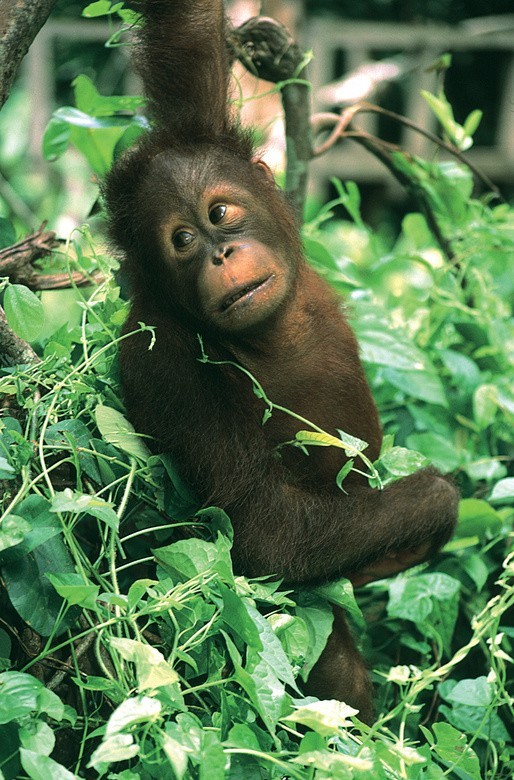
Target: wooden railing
356	43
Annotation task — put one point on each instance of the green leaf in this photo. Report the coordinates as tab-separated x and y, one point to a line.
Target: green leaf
475	568
439	450
242	736
153	671
51	704
176	753
428	600
451	746
424	385
99	8
91	102
350	198
415	228
444	112
55	139
271	649
343	473
178	500
30	591
440	107
323	717
266	689
313	438
318	618
191	557
503	491
95	137
477	518
338	766
474	692
318	252
74	436
383	348
6	470
351	444
236	615
77	503
401	462
262	687
340	593
117	430
132	134
463	370
36	735
42	767
409	599
24	311
293	635
485	405
77	118
472	121
214	761
118	747
19	697
131	712
74	590
42	526
481	722
7	233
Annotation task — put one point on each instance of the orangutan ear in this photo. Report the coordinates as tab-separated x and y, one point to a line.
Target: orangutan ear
264	167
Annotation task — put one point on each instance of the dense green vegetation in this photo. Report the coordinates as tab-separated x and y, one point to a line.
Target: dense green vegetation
128	647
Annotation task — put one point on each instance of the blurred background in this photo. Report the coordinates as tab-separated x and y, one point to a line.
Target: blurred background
378	50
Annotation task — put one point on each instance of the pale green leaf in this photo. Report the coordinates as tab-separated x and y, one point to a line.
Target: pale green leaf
117	430
324	717
40	767
131	712
24	311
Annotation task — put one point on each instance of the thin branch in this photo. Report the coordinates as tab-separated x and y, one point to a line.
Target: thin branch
370	108
20	22
16	262
382	150
337	123
340	122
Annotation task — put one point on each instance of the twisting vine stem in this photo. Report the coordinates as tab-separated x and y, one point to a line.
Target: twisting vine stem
347	443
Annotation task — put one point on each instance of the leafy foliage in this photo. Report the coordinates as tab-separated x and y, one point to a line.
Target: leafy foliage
130	650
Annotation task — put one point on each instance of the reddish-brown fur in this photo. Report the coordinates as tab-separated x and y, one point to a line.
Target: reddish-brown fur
289	517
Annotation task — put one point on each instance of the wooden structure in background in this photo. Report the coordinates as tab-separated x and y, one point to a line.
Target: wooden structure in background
328	38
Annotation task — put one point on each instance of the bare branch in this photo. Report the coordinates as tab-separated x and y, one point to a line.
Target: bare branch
20	22
340	124
16	262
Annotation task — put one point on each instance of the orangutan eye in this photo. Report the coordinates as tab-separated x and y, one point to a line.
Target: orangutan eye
217	213
182	238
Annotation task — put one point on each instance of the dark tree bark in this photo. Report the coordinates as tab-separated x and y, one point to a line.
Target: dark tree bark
20	22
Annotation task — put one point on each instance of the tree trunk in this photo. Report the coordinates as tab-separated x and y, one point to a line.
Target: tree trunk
20	22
